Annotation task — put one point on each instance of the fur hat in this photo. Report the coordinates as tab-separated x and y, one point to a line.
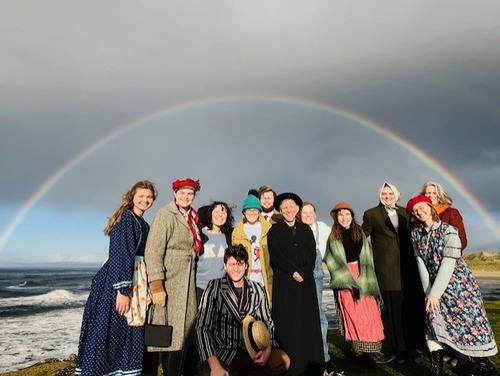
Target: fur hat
287	196
255	335
339	206
254	192
251	202
186	183
416	200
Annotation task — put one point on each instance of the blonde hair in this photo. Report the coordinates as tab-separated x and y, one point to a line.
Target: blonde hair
128	203
434	214
442	196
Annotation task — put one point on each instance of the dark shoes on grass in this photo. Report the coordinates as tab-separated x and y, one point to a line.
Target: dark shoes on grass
381	358
482	367
330	369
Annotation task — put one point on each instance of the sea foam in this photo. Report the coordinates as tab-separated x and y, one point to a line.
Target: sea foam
28	339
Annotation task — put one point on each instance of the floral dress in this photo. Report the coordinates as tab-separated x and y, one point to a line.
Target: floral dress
462	322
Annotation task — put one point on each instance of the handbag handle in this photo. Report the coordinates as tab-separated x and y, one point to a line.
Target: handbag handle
151	310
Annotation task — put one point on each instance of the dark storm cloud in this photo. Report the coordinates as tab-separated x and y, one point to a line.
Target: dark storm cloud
70	74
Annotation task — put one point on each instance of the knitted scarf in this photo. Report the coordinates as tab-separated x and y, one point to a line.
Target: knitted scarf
191	217
341	277
441	207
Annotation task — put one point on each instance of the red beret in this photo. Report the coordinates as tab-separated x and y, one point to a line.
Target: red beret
186	183
416	200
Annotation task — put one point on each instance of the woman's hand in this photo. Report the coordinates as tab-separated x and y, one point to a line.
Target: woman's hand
297	277
122	303
160	298
431	303
158	293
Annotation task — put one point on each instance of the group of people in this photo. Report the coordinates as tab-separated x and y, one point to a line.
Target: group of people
247	298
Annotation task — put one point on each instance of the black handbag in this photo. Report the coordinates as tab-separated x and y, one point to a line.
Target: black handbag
156	335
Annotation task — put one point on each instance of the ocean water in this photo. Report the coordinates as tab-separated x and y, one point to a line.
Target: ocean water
41	311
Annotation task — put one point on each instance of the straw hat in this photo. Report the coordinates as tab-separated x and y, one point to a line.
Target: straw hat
255	335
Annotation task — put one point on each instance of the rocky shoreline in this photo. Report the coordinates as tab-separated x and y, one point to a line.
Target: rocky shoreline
50	366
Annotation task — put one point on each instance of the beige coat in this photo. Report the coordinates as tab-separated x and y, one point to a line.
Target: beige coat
169	256
239	237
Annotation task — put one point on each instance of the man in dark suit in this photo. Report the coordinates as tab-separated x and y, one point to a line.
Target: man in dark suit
387	225
224	305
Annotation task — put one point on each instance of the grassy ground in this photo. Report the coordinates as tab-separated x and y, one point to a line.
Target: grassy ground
338	347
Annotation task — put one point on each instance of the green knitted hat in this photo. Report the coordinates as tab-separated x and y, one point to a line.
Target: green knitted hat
251	202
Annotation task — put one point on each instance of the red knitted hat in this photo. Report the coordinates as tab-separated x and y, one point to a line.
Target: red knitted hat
416	200
186	183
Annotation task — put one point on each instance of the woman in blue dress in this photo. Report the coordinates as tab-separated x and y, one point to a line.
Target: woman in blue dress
111	338
455	314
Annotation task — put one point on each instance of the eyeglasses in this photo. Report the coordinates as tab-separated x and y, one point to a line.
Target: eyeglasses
252	211
234	264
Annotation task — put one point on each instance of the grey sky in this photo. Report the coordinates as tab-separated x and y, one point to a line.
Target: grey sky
73	72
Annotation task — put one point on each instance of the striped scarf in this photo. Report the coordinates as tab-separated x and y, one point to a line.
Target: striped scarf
191	217
243	300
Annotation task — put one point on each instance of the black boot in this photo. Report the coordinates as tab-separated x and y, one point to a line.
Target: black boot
482	367
436	358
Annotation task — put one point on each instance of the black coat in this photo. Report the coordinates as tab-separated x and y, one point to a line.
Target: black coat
392	249
396	270
295	304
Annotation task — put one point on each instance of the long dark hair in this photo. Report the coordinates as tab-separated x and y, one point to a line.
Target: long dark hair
205	215
357	230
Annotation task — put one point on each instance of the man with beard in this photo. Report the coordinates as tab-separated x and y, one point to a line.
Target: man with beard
267	196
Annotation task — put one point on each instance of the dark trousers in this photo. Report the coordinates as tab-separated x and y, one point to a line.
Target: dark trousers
392	318
243	364
192	358
171	362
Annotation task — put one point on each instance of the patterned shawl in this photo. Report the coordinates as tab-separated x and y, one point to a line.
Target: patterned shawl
341	277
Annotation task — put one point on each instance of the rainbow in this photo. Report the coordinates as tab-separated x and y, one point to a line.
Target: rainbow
393	136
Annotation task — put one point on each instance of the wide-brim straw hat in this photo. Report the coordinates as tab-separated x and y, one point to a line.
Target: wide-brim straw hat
255	335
